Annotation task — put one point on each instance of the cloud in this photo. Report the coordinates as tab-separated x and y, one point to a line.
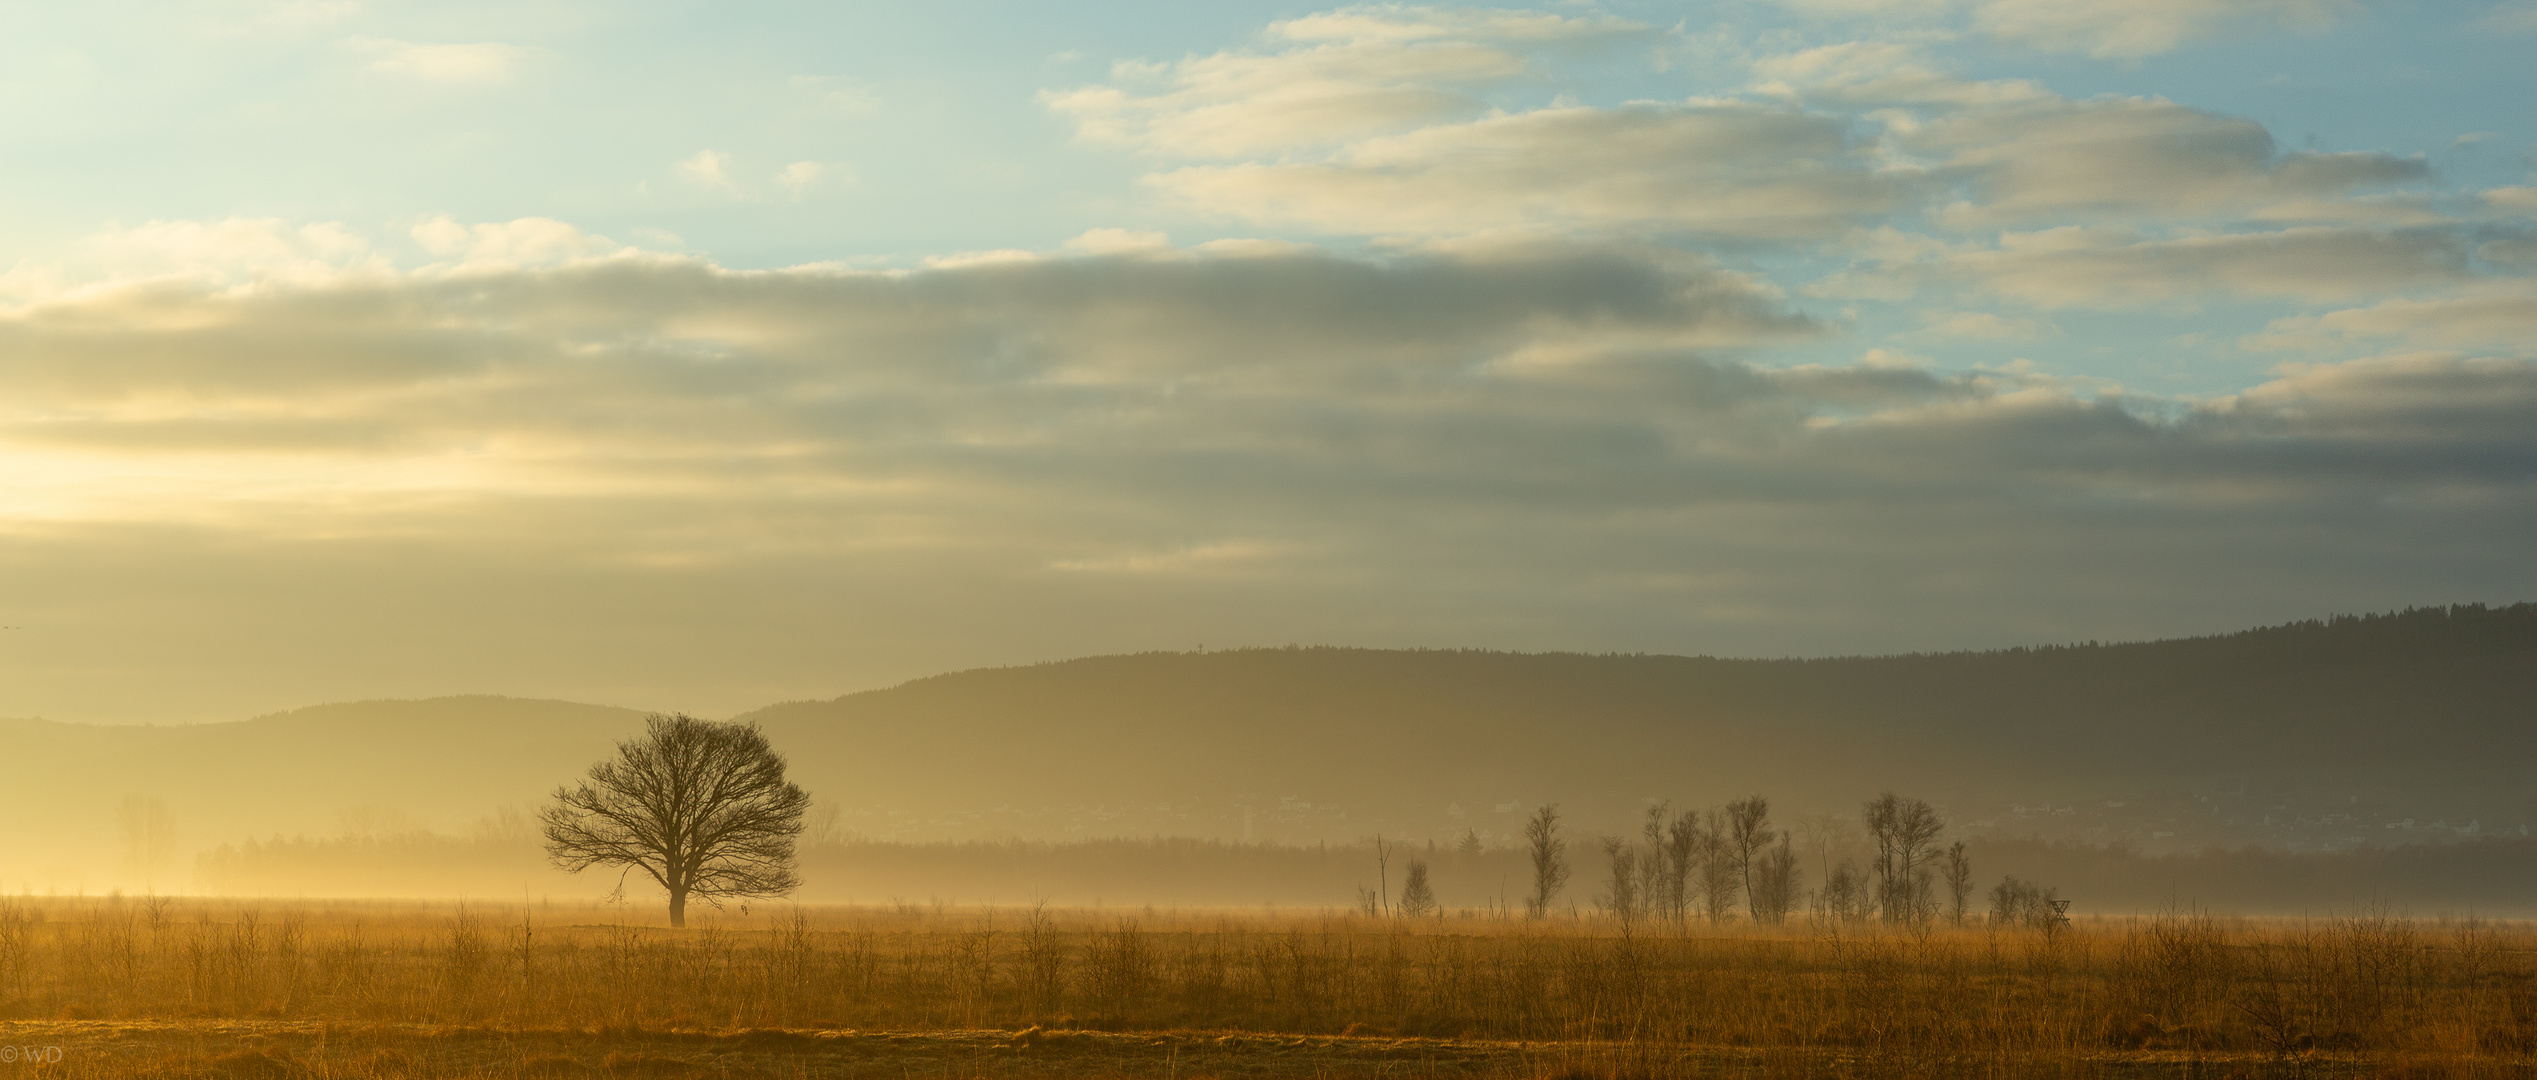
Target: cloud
1120	242
302	13
2130	29
2404	209
2512	200
2107	29
838	95
2519	17
1344	75
2497	315
1228	106
230	252
476	63
1564	445
803	177
1980	326
1857	73
2012	150
1339	382
708	169
713	172
1036	323
2439	412
2112	268
2048	158
1731	168
264	254
1222	558
1825	140
2511	252
1400	24
522	242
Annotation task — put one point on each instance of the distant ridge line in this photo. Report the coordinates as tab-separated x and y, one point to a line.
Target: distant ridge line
2524	612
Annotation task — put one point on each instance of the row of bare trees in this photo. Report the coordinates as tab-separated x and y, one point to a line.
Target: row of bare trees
1902	881
1909	862
1707	864
1686	865
1702	864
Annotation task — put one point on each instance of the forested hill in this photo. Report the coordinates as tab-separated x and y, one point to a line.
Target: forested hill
2353	725
2434	697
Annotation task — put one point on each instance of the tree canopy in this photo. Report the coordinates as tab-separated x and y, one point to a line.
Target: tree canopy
701	807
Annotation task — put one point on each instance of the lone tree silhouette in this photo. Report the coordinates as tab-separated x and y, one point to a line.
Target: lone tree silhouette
702	807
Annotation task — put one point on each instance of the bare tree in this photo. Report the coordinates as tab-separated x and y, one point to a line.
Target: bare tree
701	807
1383	873
1844	898
1958	870
1620	893
1550	863
1774	888
1906	833
1748	832
1921	827
1682	856
1821	831
826	824
1417	897
1878	816
1651	864
1718	877
149	836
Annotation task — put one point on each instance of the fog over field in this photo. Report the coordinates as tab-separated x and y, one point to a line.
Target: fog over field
2344	735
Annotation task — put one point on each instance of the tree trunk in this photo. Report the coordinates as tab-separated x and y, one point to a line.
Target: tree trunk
678	907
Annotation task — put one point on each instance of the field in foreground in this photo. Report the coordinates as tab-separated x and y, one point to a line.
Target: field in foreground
157	987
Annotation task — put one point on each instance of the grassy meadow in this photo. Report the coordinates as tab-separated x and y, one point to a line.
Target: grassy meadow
126	986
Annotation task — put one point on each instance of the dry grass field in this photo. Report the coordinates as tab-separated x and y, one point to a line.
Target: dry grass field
125	986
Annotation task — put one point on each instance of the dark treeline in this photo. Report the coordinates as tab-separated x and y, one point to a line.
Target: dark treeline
2494	876
1134	872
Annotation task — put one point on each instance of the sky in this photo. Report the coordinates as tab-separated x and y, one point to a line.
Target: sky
687	356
